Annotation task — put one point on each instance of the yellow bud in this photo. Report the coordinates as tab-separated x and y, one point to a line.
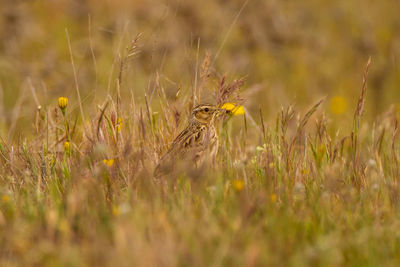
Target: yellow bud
238	185
5	198
233	108
67	147
271	165
108	162
62	103
116	210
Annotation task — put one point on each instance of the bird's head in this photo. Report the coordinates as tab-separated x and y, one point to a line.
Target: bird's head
206	113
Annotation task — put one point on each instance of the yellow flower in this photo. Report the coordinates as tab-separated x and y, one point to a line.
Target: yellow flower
67	146
238	185
116	210
271	165
233	108
108	162
261	148
62	103
5	199
338	105
272	197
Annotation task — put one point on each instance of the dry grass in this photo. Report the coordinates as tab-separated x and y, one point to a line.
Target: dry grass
293	185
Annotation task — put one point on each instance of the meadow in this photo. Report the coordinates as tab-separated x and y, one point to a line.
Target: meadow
92	93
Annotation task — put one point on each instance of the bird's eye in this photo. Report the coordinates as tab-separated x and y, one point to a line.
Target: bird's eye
206	109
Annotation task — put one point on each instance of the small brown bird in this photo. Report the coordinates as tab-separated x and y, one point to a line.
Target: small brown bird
199	137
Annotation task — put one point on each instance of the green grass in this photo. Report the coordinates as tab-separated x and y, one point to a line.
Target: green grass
297	181
305	200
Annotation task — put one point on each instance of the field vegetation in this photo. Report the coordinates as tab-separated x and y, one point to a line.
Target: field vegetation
92	93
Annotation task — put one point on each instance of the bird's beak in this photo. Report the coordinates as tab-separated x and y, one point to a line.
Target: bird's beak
221	111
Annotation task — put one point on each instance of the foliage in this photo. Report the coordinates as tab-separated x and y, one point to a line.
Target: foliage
84	121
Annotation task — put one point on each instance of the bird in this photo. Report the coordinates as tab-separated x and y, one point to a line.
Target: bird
198	138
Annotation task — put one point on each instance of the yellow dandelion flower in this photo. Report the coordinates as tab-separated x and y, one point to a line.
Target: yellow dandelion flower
261	148
108	162
271	165
116	210
238	185
273	198
62	103
5	199
338	105
233	108
67	146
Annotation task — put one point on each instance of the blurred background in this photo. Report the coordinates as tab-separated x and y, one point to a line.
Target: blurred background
289	51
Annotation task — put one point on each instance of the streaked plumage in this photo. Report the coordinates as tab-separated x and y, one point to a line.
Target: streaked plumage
197	138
